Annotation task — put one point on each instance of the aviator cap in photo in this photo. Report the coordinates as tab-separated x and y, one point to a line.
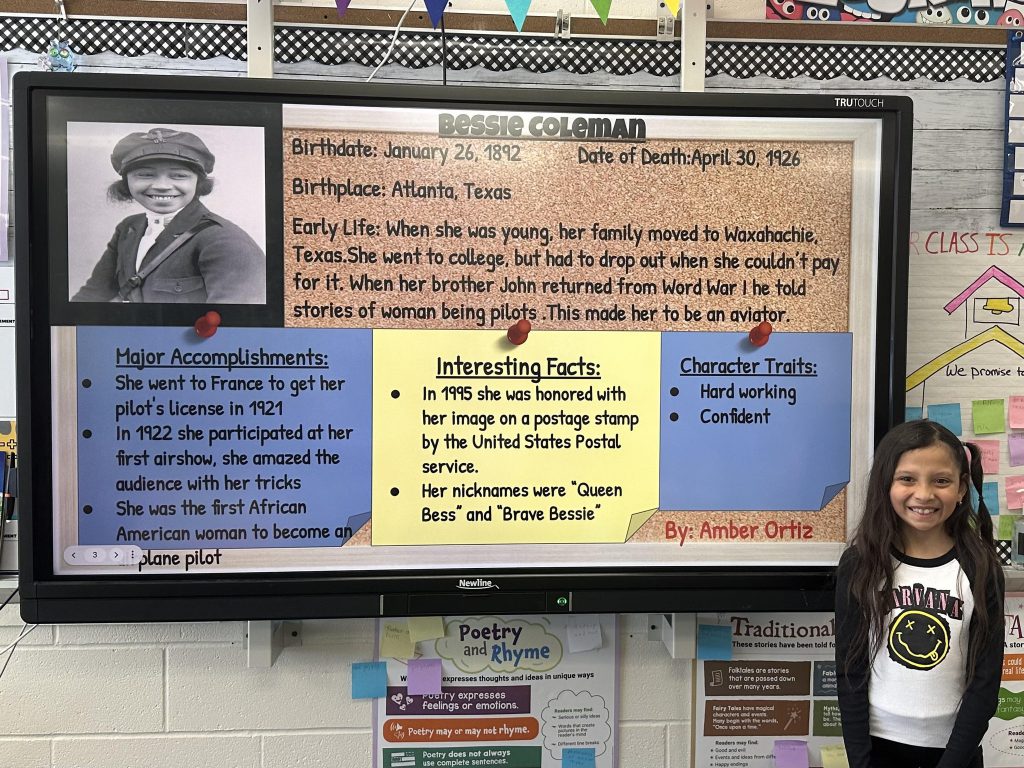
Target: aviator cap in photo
161	144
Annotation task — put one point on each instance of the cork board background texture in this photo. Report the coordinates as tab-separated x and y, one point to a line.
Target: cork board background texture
548	187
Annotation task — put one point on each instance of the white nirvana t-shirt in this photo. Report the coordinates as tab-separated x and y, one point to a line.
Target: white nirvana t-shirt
919	673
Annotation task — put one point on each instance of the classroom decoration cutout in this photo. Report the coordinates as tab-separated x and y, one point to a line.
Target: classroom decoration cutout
945	12
59	57
512	336
518	9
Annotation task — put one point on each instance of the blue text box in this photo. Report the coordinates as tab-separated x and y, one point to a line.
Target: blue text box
746	428
218	416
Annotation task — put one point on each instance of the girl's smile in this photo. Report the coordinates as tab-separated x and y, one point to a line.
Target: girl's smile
926	490
162	186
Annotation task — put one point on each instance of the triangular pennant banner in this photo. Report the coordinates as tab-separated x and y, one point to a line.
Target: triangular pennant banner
672	5
519	9
435	9
602	7
342	6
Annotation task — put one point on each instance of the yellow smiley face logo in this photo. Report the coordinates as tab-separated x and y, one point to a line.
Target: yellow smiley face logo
918	640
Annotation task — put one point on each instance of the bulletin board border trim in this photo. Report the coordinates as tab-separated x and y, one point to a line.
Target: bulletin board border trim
502	53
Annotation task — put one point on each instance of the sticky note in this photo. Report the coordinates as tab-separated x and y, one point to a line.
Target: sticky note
834	756
578	757
1016	412
424	677
1015	442
989	416
991	492
1004	527
369	680
395	640
791	753
714	642
989	455
1014	485
583	633
913	413
948	415
425	627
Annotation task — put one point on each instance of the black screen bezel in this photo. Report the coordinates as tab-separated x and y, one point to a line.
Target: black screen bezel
49	598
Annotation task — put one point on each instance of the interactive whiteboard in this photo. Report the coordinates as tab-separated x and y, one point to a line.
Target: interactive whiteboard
548	351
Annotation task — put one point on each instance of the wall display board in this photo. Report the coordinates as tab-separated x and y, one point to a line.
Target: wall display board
780	684
502	691
1012	206
418	347
965	359
1004	740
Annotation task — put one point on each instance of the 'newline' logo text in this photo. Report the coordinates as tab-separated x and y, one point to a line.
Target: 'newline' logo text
477	584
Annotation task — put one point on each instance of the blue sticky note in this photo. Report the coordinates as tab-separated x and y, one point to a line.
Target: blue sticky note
948	415
991	491
714	642
424	677
577	757
914	413
369	680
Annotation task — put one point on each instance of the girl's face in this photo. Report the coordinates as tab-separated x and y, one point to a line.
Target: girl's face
162	186
926	489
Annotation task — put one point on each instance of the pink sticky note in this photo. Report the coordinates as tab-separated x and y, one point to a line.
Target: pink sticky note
989	455
424	677
1016	411
1016	445
1015	492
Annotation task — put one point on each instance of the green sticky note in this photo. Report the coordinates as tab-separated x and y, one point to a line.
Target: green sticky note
989	416
834	756
1005	527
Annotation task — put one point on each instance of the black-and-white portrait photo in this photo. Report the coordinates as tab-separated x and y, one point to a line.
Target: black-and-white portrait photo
166	213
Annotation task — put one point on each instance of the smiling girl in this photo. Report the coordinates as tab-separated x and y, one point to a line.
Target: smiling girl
176	251
919	608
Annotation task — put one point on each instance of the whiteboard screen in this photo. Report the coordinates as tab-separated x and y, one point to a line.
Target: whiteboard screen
414	343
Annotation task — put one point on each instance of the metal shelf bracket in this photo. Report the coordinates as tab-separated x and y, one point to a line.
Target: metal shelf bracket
264	641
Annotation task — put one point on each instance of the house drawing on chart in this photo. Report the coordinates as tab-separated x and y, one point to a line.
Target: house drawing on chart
984	319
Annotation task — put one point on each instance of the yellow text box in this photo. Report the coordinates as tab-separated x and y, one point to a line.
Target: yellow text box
480	442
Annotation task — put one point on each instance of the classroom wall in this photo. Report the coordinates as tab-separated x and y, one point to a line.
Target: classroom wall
181	695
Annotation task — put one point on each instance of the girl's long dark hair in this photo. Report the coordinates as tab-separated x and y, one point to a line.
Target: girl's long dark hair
878	535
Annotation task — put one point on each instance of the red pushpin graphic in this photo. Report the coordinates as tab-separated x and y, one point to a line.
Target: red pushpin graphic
759	334
207	325
519	332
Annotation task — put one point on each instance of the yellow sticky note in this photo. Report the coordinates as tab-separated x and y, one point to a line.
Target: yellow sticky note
989	417
425	627
834	756
395	641
554	441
